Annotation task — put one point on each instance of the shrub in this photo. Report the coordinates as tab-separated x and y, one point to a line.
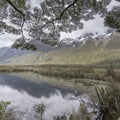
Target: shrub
3	106
39	109
82	114
109	100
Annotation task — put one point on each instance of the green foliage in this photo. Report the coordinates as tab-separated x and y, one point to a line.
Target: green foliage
63	117
39	109
109	101
21	3
113	18
3	106
67	72
2	3
82	114
20	43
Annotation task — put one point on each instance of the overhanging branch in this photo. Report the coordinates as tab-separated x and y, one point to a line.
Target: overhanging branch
19	11
51	21
61	14
15	7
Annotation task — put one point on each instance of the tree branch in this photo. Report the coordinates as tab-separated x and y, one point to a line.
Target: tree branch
51	21
15	7
60	17
19	11
61	14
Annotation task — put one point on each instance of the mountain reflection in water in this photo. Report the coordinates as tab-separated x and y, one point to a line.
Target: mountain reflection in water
35	89
26	90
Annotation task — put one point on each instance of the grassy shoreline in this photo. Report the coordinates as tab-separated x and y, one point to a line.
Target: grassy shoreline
64	71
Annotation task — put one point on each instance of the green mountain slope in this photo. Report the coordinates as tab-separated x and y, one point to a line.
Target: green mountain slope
27	59
103	53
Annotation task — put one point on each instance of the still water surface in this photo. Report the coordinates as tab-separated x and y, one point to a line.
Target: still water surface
25	90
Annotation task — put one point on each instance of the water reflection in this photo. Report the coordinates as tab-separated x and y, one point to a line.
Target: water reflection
35	89
24	94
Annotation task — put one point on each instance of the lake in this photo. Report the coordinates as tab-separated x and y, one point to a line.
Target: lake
26	90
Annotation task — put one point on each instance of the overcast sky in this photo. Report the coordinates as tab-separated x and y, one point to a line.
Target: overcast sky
7	39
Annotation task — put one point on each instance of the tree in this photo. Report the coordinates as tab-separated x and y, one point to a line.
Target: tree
52	17
113	18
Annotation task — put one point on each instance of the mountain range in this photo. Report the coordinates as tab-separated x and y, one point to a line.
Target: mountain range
92	52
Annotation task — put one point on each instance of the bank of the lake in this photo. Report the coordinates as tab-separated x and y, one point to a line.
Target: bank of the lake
73	76
67	72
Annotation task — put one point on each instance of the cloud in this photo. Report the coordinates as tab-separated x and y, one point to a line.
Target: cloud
7	39
94	26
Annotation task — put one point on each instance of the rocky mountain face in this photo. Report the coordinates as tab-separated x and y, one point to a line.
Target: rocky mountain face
83	20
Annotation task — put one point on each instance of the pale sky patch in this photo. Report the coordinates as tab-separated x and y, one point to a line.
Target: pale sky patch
112	5
34	3
92	26
7	39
